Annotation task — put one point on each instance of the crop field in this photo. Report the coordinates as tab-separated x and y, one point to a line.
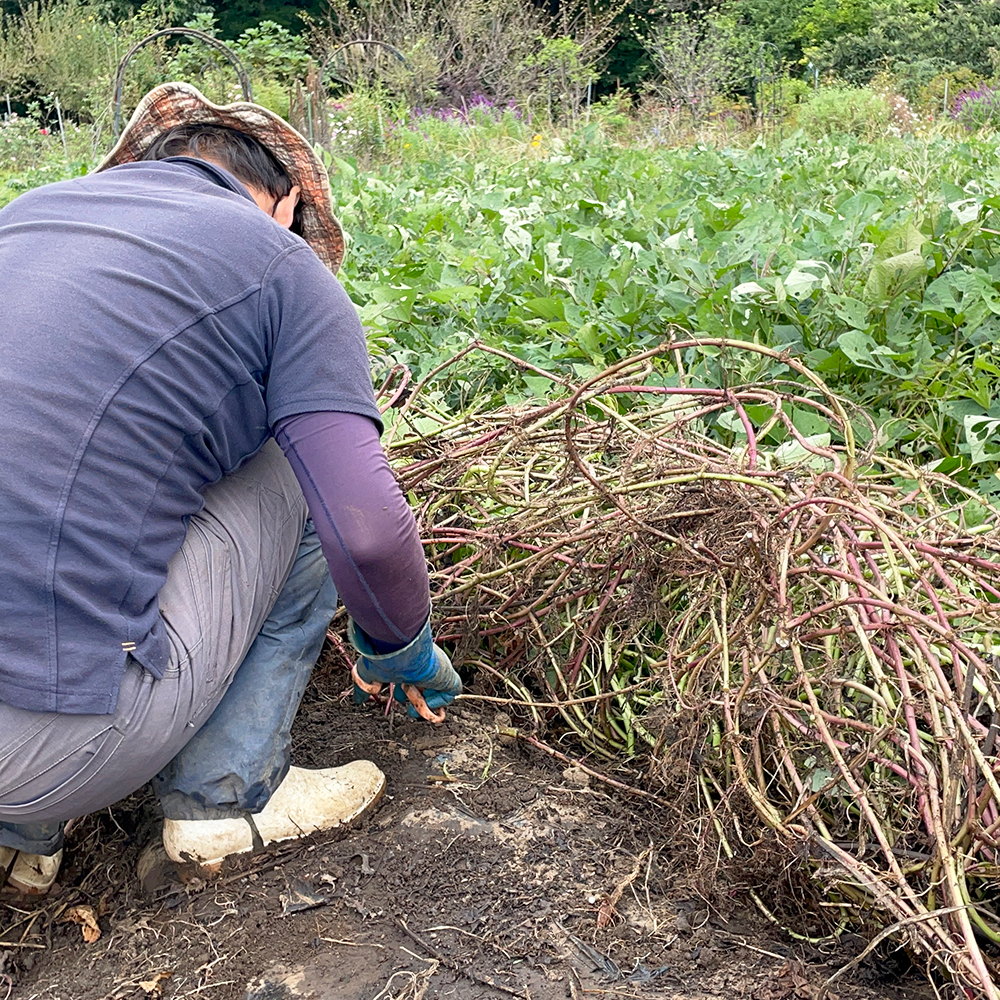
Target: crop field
875	265
704	443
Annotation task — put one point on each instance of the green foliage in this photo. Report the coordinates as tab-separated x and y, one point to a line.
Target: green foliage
273	57
697	59
269	50
456	48
871	261
360	126
564	73
917	40
237	16
69	50
938	95
845	110
771	21
824	21
614	113
31	153
370	127
782	97
461	47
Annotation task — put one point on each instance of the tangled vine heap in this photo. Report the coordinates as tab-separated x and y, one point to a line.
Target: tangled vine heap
793	641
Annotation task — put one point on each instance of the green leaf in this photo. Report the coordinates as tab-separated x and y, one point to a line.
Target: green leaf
866	353
540	386
950	465
808	422
345	167
975	513
965	210
730	419
893	276
453	293
793	453
589	338
968	295
805	278
899	241
747	291
519	240
983	437
819	778
858	346
549	308
586	257
853	312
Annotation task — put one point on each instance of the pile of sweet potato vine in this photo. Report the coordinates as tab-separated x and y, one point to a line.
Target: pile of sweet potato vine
813	625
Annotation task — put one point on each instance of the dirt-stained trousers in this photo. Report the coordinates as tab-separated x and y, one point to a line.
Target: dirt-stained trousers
247	603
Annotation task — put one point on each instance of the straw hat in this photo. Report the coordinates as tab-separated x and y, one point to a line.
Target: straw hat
172	104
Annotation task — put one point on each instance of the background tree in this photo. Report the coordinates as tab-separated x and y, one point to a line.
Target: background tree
697	58
916	40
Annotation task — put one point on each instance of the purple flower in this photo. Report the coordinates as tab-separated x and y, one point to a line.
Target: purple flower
978	107
478	108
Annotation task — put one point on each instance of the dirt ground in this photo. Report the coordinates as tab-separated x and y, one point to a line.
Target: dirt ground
488	871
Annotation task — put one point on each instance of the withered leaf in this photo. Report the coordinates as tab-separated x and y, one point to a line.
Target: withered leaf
154	986
86	917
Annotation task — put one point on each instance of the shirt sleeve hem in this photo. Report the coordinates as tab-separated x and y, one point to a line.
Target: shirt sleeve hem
321	404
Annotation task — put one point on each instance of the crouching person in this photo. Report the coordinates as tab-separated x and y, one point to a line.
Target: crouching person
191	474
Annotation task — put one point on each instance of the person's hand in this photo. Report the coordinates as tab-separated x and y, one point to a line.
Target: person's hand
421	672
421	700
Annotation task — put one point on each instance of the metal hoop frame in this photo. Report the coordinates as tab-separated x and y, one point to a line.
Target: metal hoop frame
769	73
200	36
359	41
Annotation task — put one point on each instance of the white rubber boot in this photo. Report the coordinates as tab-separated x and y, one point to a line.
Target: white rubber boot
32	874
306	801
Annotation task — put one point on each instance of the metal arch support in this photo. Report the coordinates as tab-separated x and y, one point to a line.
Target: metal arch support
769	66
391	49
768	52
200	36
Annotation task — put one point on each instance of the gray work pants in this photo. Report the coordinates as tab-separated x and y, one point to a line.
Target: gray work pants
246	605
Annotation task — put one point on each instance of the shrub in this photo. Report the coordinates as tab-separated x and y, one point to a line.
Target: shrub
931	97
977	108
696	60
272	56
614	113
902	118
455	48
846	110
70	51
911	77
24	142
563	76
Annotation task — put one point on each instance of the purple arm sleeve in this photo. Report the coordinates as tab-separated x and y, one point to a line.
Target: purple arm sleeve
367	530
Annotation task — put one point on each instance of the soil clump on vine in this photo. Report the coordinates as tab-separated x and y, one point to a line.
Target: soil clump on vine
489	871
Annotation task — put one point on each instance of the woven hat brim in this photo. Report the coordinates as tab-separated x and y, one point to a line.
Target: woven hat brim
177	103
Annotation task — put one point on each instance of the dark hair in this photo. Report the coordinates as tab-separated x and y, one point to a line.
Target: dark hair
243	156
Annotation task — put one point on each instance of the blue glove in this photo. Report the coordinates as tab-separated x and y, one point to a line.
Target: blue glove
420	663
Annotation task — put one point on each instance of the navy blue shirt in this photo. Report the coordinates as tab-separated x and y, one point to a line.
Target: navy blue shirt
155	326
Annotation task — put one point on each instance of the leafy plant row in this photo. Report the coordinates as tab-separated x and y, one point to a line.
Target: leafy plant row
874	264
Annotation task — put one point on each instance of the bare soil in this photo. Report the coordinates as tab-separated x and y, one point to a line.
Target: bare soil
488	871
